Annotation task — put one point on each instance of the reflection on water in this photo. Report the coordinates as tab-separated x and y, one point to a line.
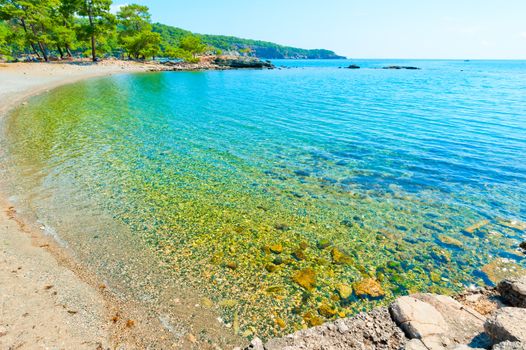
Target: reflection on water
282	198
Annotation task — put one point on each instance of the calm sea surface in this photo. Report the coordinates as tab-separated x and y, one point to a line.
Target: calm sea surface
280	199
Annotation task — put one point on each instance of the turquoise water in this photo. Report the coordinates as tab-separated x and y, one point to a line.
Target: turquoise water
270	193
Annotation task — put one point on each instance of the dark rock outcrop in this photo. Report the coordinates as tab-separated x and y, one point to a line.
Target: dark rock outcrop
402	67
353	66
243	62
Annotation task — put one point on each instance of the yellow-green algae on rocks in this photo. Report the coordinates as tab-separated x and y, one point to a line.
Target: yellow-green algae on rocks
279	216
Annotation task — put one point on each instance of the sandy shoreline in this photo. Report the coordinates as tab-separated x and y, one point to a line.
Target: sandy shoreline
47	301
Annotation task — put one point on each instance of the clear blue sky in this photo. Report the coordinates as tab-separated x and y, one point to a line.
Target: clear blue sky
364	28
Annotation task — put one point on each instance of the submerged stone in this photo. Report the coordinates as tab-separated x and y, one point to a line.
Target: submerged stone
278	260
327	310
450	241
302	173
299	255
306	278
501	269
435	277
322	244
312	320
513	224
271	267
344	290
473	228
228	303
281	227
281	323
368	287
340	258
231	265
276	248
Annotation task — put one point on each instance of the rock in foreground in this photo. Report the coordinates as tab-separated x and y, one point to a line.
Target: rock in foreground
374	330
507	324
514	291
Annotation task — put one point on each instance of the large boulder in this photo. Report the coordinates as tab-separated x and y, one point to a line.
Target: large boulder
418	319
507	324
242	62
465	325
513	291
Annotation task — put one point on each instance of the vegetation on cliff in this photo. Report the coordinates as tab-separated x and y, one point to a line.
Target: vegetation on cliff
45	30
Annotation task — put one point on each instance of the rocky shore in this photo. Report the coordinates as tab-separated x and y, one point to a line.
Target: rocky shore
479	318
214	63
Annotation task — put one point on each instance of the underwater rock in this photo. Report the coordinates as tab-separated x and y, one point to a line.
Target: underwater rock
368	287
276	248
271	267
312	320
232	265
324	243
299	254
301	173
306	278
435	277
281	227
207	303
340	258
473	228
278	260
500	269
275	289
450	241
228	303
327	310
513	224
523	246
344	290
281	323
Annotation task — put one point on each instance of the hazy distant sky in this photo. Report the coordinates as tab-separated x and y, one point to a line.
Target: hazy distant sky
362	28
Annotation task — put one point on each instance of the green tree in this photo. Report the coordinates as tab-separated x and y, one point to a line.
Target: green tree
100	22
34	17
64	31
193	44
135	35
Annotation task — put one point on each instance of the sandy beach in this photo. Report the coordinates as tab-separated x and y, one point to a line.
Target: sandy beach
47	301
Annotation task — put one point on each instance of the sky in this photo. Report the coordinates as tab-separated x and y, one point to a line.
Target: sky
465	29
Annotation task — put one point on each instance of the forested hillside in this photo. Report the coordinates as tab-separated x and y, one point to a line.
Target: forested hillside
67	29
261	49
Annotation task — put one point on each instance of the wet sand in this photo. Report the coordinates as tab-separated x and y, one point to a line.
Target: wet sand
47	300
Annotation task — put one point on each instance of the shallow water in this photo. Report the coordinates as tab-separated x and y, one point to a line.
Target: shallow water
242	183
